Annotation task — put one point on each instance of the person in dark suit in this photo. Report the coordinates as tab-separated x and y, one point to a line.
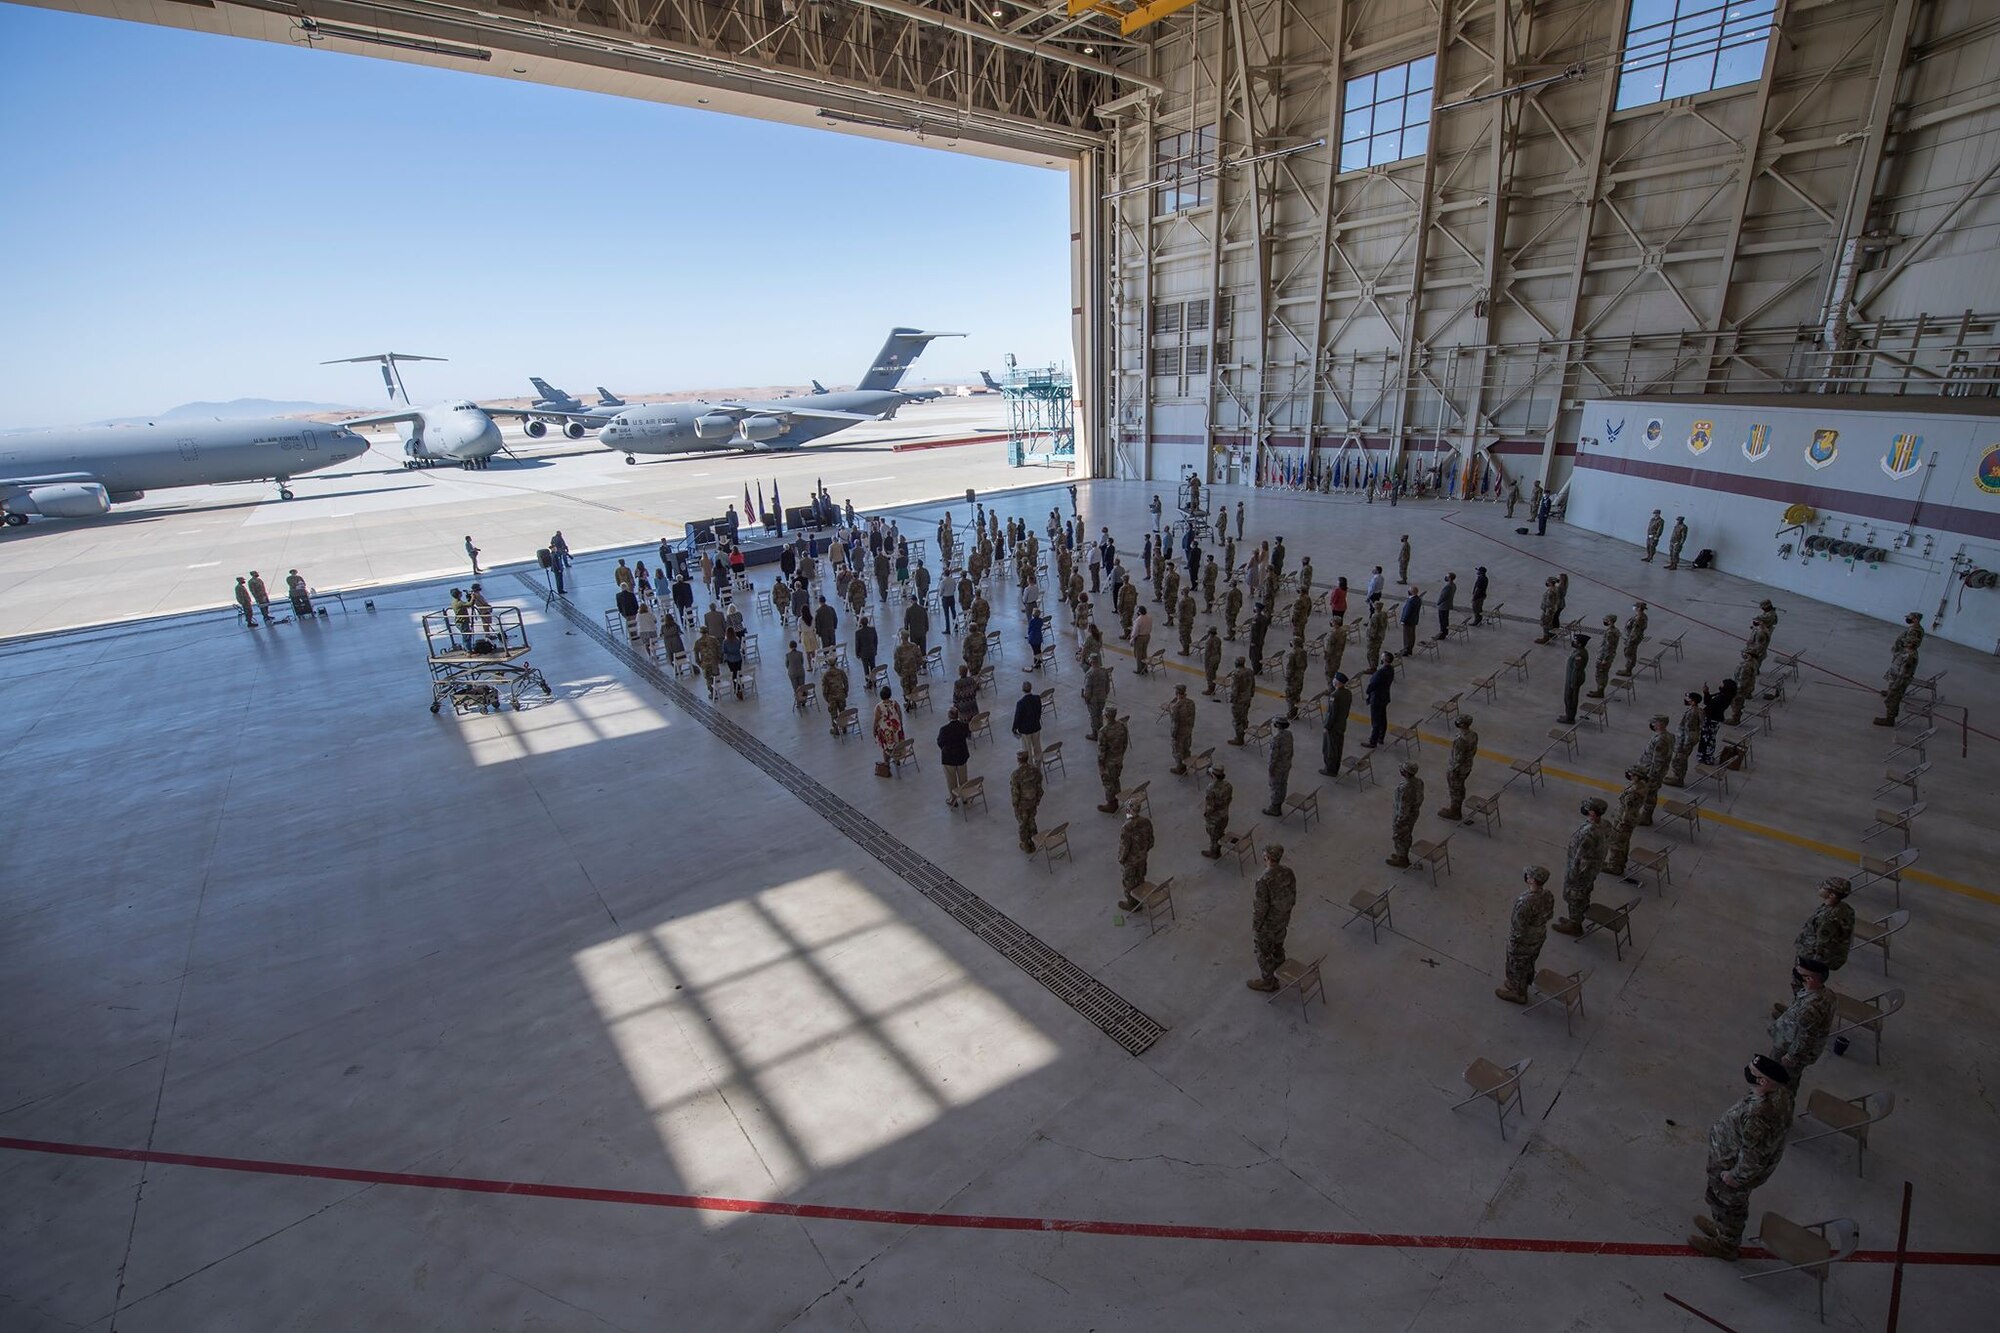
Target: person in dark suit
1377	695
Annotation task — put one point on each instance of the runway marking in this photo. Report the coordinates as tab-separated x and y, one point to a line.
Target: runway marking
206	564
863	481
710	1203
1844	854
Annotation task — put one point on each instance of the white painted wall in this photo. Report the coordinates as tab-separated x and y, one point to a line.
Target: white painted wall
1734	503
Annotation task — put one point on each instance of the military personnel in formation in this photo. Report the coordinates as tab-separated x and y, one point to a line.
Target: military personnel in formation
1573	676
1675	541
1305	575
1635	634
967	590
1378	630
1799	1029
978	614
1184	622
1607	653
1336	648
857	594
1229	556
1076	593
1112	739
1581	862
1527	931
1403	560
1464	749
1211	659
1768	615
1653	766
917	624
1743	1150
1215	811
921	576
1260	629
1271	917
1333	741
1687	735
1409	804
1242	689
1618	843
1654	527
973	654
1280	767
1135	843
1480	584
1171	597
1096	692
1746	688
708	657
1758	645
1180	717
833	686
1828	933
1902	668
1232	607
1549	621
1302	610
1209	573
1024	789
795	672
1142	640
1295	677
907	663
1128	606
1562	595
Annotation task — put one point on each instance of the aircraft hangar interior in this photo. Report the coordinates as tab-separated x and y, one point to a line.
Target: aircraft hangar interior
1424	775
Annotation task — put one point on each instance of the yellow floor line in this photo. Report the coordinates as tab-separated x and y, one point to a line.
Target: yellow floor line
1840	854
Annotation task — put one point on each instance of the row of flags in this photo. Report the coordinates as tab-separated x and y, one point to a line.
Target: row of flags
1361	469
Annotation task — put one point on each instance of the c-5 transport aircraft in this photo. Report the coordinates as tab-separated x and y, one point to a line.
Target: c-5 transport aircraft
460	431
81	472
786	423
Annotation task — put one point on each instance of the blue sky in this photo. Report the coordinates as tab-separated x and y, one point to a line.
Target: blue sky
192	217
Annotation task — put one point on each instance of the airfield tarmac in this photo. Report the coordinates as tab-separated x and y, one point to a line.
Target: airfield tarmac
373	522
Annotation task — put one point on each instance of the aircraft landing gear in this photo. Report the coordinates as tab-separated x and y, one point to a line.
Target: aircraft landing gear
17	520
284	491
631	461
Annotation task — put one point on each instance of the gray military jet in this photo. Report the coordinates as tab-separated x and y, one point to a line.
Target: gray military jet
786	423
82	471
460	431
568	411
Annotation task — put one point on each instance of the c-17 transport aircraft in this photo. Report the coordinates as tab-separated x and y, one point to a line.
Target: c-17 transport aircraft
82	471
786	423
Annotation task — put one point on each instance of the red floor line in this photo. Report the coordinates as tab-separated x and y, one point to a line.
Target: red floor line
958	1221
1710	1320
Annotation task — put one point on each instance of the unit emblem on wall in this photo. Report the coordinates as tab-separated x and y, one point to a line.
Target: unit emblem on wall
1825	445
1654	430
1758	442
1700	436
1613	431
1988	473
1901	460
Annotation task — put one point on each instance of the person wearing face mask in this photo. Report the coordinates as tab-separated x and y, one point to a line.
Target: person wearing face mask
1581	862
1743	1150
1799	1029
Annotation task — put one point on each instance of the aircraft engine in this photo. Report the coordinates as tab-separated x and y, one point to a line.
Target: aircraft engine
574	429
126	497
73	499
714	426
760	428
535	429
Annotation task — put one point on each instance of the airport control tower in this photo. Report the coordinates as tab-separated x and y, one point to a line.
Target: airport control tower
1041	416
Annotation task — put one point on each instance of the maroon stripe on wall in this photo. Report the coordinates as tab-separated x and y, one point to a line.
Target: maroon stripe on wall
1948	518
1564	448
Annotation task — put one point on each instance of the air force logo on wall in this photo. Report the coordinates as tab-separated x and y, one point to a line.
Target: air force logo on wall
1700	436
1613	431
1987	474
1654	430
1758	442
1824	448
1902	460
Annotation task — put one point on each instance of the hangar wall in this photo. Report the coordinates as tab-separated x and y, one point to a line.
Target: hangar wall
1825	220
1917	479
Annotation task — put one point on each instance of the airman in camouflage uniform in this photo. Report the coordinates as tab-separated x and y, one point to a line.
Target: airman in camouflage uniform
1242	689
1024	789
1209	573
1828	933
1607	653
1799	1029
1743	1150
1173	590
907	663
1464	749
1675	541
1271	917
978	614
1112	739
1746	688
1581	862
1211	659
1336	648
1758	645
1635	634
1215	811
1305	576
1378	630
1403	560
1409	804
1654	527
833	689
1549	618
1573	673
1184	622
1686	737
1527	931
973	653
857	594
1096	692
1180	717
1295	677
708	656
1135	841
1302	610
1128	606
1232	607
1280	768
1618	844
1659	752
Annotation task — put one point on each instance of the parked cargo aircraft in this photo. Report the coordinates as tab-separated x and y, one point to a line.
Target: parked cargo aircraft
786	423
83	471
568	411
460	431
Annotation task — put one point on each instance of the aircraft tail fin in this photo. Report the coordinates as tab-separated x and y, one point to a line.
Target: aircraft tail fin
893	361
606	398
991	383
818	387
392	379
546	390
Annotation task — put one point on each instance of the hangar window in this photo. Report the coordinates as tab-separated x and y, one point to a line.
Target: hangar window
1386	116
1676	48
1184	169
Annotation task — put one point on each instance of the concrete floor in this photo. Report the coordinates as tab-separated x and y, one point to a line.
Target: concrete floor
294	969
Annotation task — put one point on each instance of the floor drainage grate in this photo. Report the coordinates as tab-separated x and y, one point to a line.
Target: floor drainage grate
1121	1020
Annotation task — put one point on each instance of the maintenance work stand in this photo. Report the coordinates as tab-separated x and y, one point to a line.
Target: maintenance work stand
479	659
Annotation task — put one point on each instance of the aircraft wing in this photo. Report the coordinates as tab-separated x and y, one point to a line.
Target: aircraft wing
385	419
546	414
786	409
44	479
